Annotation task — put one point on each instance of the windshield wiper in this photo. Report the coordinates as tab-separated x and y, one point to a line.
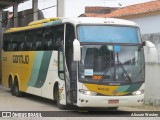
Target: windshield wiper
120	64
125	72
107	69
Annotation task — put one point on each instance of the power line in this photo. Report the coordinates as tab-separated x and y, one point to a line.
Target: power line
22	16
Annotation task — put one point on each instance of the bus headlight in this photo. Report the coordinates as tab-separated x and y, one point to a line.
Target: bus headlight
87	92
139	92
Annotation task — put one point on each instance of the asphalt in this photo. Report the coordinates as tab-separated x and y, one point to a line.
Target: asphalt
30	103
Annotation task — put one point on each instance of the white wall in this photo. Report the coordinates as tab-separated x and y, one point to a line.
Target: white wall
152	84
149	24
152	74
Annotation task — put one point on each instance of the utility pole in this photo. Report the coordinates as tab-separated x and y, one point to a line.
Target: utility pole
1	45
35	9
60	8
15	13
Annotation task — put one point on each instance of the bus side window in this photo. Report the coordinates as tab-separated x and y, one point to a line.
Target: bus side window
39	37
14	47
48	44
58	43
9	47
22	46
21	42
11	44
29	46
49	39
15	41
38	45
33	43
59	36
6	42
29	40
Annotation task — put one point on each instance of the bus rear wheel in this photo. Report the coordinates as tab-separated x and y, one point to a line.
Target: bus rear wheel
17	92
62	107
12	90
10	85
10	82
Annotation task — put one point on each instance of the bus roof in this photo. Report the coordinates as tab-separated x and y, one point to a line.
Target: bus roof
75	21
95	20
33	25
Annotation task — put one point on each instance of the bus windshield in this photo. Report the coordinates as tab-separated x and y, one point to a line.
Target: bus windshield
110	34
111	63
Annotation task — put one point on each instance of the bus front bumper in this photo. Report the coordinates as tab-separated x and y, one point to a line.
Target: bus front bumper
109	101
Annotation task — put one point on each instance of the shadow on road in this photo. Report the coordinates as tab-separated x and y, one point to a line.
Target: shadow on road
73	111
39	99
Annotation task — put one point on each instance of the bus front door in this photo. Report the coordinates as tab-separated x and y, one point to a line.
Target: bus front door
61	81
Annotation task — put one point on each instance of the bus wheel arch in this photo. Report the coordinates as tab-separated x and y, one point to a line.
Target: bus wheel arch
54	90
56	97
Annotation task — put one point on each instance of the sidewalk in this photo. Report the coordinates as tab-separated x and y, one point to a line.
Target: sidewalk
142	108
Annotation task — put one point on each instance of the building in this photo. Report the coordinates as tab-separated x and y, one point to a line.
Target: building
144	14
25	17
99	10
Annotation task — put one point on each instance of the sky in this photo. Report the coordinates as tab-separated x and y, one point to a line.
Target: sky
74	8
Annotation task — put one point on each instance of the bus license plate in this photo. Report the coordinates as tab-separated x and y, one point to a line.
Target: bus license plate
113	101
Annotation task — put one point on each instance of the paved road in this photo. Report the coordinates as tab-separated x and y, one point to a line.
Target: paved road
35	103
26	103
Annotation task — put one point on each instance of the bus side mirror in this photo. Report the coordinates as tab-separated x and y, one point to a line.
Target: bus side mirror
150	50
148	44
76	50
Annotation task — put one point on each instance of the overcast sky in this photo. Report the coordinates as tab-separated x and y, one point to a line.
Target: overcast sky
75	7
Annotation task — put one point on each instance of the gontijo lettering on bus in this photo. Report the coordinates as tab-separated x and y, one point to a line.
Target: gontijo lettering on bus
23	59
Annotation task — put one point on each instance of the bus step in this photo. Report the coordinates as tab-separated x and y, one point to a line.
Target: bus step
73	96
73	89
74	101
73	81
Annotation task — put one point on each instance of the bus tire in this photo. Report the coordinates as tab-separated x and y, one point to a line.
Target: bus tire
13	90
10	85
10	82
18	93
62	107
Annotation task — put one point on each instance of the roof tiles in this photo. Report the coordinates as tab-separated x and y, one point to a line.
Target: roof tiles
131	10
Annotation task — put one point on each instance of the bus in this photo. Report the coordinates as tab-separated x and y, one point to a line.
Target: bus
84	62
